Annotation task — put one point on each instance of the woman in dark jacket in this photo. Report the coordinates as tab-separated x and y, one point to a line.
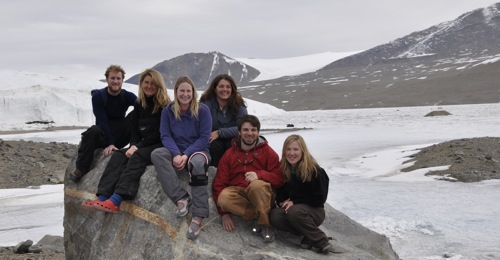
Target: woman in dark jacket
120	180
302	197
226	106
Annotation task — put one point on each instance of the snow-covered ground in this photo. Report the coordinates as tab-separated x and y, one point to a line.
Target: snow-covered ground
362	151
277	68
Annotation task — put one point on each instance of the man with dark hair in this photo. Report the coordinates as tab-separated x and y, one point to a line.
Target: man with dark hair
247	174
112	129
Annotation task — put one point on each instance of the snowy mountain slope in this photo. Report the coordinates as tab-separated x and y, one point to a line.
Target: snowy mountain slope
277	68
439	65
472	36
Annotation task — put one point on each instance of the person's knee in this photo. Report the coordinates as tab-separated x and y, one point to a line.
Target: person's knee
296	210
138	156
118	155
260	185
160	154
155	155
297	214
198	180
94	132
224	197
197	168
94	129
275	215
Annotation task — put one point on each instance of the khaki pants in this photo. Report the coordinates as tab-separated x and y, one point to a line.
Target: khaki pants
251	202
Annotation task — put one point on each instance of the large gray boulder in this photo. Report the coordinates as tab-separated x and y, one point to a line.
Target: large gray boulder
147	228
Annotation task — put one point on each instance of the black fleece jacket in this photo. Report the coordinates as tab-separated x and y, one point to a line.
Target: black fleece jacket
145	125
312	193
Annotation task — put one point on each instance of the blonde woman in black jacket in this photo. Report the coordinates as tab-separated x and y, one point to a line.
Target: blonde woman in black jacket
301	199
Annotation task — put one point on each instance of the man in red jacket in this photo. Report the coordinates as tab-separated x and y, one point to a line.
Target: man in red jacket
247	174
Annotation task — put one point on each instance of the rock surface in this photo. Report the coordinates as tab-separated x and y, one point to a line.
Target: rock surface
49	247
470	159
147	228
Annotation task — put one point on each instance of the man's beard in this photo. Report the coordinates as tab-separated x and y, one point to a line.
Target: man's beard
113	91
249	144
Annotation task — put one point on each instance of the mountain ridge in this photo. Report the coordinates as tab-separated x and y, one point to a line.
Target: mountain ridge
201	68
397	73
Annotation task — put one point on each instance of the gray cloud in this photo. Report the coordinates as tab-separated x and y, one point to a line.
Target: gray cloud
79	39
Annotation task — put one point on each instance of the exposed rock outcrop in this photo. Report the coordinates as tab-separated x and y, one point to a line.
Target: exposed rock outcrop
147	228
438	113
469	159
202	68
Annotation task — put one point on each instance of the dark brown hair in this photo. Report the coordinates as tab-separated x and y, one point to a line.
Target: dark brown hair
253	120
235	100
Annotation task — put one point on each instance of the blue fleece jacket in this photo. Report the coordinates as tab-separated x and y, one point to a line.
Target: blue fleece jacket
187	135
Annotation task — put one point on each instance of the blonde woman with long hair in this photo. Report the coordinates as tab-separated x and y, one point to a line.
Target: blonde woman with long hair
301	199
185	131
120	180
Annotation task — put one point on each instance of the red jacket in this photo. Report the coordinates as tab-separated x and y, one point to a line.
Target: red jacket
233	165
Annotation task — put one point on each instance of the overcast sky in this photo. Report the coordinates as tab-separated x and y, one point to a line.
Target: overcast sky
79	39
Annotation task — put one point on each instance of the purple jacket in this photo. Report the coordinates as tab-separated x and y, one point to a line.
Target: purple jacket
188	135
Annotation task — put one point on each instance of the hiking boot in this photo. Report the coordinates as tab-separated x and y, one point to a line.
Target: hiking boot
194	228
267	234
183	207
306	243
256	228
76	175
326	248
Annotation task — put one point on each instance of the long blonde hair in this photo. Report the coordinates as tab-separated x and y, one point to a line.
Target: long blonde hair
307	165
193	106
161	98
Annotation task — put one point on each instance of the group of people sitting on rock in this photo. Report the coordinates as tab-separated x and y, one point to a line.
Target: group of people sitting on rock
186	136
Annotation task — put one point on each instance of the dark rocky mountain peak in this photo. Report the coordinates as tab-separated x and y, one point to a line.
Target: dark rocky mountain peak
202	68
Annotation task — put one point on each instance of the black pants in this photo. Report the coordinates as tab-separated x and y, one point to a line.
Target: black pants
122	175
94	138
301	219
217	148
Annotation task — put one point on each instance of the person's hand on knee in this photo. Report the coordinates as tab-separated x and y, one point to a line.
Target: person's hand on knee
108	150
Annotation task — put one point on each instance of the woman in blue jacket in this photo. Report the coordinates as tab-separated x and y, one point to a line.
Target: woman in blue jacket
120	180
226	106
185	131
